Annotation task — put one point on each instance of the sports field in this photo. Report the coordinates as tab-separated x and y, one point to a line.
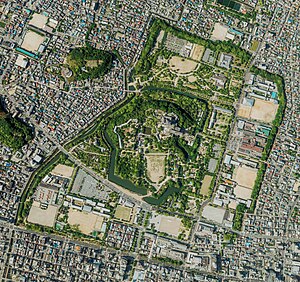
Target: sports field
38	20
197	52
219	32
244	111
86	222
264	110
32	41
167	224
45	217
63	171
245	176
123	213
243	192
205	185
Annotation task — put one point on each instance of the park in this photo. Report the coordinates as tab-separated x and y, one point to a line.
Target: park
159	141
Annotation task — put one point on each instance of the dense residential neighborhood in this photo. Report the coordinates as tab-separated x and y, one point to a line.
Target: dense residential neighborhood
149	140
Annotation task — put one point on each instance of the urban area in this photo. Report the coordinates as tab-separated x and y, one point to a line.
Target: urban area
150	140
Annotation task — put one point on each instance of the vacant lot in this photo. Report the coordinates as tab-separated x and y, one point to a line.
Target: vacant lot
182	65
38	20
123	213
205	185
32	41
63	171
86	222
245	176
156	166
197	52
45	217
264	110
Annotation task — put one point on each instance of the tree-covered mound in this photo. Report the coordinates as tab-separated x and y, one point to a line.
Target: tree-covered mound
89	62
13	132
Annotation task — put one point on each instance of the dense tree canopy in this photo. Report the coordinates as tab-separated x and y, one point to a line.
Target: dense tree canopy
13	132
78	62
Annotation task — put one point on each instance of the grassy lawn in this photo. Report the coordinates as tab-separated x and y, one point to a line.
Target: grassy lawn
254	45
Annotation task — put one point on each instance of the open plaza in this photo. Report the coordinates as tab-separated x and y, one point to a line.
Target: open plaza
156	166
